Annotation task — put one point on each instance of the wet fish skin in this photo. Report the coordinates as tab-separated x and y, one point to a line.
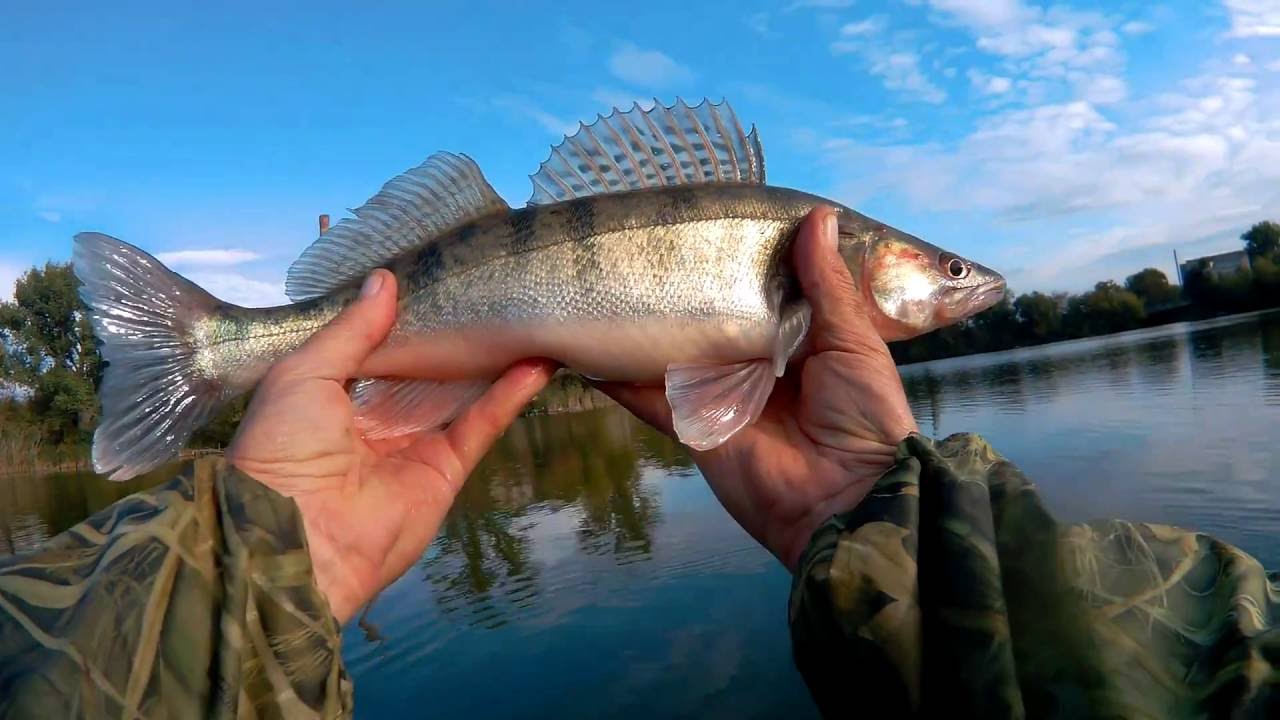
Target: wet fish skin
663	257
708	264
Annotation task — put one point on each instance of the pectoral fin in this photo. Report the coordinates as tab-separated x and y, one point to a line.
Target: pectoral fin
796	319
709	403
388	408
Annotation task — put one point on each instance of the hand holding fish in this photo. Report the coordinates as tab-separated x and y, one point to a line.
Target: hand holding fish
831	425
370	507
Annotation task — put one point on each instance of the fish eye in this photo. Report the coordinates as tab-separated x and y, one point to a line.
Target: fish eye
955	267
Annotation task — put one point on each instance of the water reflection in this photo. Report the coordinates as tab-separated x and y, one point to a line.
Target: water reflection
34	509
1157	362
1160	363
1172	424
585	467
1270	339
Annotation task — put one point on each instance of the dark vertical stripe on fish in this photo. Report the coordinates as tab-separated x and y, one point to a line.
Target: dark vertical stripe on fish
678	205
581	219
523	224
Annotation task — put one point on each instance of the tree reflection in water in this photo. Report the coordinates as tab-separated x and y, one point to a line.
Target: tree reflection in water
588	467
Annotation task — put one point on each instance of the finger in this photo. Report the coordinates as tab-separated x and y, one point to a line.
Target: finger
840	319
647	403
337	350
472	434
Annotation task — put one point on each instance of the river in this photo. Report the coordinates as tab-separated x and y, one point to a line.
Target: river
587	571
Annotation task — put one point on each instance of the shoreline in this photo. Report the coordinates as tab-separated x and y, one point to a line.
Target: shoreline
84	463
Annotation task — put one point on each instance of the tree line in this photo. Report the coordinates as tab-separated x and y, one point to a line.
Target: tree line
1145	298
50	369
50	365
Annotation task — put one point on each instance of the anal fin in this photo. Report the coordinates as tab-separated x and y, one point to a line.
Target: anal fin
710	403
389	408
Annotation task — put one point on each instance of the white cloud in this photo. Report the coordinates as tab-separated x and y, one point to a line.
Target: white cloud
647	68
1022	41
870	26
1253	18
759	22
989	84
52	216
1137	27
1100	89
9	274
1274	66
1241	59
983	13
901	71
241	290
1094	193
897	67
206	258
526	107
1057	43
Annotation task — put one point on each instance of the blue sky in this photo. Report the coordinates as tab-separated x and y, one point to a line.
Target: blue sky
1061	143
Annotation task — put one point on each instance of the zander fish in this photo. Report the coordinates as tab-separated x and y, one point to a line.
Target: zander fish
651	251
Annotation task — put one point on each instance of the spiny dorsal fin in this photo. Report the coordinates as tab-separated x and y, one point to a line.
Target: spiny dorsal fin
659	147
409	211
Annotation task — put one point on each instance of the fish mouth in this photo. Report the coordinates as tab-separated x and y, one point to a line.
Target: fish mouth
978	298
985	296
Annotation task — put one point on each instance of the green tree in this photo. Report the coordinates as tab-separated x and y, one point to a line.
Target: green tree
217	433
1108	308
1152	287
50	350
996	328
1039	317
1266	280
1262	240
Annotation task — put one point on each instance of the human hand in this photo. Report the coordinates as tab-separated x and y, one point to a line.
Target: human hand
370	508
829	430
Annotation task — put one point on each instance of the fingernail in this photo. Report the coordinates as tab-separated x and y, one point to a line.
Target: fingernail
831	232
371	285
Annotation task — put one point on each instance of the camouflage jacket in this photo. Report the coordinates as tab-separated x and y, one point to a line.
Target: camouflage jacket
949	591
193	599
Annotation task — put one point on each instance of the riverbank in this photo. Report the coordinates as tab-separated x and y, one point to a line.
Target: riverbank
1038	320
567	393
81	462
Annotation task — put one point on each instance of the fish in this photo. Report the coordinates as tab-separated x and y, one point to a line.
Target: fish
651	251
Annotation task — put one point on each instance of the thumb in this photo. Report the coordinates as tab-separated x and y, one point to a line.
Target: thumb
840	319
337	350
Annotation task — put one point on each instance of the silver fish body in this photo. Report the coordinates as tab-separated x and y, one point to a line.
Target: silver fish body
616	287
687	283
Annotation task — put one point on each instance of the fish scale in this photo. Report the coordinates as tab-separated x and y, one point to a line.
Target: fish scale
652	251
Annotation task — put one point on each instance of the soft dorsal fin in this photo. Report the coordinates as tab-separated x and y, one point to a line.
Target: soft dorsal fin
662	146
423	203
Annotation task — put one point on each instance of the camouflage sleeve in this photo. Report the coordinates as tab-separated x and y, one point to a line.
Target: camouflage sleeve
194	599
950	591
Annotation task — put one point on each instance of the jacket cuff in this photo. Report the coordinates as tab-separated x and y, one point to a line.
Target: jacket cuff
289	643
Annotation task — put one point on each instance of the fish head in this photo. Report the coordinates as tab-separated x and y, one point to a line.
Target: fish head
913	286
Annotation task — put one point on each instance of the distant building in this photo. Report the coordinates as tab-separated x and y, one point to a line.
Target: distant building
1220	265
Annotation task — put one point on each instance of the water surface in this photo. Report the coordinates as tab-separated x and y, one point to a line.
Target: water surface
1177	424
588	572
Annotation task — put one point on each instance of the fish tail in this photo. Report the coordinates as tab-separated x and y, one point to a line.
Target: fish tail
154	397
